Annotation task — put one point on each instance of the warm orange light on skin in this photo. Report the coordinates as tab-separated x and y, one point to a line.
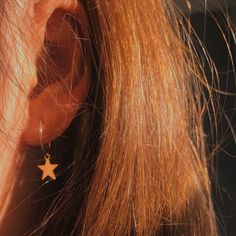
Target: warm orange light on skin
54	115
58	103
23	39
18	81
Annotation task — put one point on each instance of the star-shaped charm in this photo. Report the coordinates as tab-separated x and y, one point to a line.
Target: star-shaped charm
48	168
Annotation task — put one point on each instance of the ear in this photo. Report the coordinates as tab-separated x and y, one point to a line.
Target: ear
63	65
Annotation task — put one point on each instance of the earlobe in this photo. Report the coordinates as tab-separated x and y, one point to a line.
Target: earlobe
63	69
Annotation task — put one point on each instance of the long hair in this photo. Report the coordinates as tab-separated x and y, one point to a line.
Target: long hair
141	167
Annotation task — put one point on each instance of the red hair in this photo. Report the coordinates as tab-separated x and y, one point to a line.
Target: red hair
142	167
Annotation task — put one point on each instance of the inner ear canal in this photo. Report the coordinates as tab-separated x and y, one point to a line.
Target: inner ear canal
61	60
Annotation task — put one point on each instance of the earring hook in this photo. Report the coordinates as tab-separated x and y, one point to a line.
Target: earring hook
41	135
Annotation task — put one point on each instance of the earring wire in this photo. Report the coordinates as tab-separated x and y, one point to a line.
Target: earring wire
41	135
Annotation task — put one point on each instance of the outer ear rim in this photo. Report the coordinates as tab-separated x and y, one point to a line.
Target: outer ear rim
43	9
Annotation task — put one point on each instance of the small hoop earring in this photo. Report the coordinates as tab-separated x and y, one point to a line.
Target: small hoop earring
48	168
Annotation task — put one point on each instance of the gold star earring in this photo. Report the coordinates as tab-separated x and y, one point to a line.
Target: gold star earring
48	168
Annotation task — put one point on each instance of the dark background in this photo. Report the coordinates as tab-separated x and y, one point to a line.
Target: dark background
213	31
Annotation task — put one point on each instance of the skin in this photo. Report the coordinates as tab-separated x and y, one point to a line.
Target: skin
56	105
38	119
